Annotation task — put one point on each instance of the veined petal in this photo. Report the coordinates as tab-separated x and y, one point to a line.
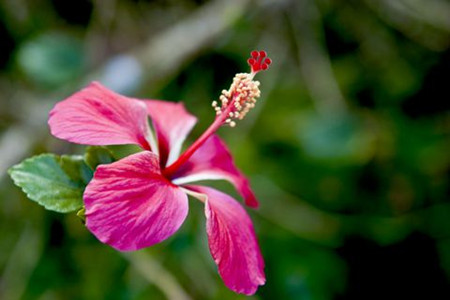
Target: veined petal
98	116
130	205
172	124
232	242
213	161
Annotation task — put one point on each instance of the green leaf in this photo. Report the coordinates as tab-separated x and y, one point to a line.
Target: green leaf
121	151
97	155
76	168
82	214
57	183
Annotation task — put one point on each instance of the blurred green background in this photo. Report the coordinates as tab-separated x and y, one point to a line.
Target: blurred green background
347	149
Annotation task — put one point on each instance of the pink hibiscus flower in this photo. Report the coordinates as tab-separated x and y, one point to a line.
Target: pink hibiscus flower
142	199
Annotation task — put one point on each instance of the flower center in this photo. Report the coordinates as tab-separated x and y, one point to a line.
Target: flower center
235	103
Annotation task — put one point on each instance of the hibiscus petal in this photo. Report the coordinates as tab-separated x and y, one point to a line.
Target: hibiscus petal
172	124
130	205
214	161
232	242
98	116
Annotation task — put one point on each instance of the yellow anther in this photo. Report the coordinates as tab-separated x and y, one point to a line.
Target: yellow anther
242	95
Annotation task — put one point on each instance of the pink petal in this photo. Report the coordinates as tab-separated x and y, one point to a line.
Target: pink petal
172	124
232	242
214	161
129	205
98	116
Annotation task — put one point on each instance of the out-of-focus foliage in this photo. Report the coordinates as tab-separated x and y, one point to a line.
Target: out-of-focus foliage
347	150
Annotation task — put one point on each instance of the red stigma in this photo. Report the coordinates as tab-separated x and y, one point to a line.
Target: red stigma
259	61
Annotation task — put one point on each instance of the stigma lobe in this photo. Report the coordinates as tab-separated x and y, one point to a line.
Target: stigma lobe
241	97
259	61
